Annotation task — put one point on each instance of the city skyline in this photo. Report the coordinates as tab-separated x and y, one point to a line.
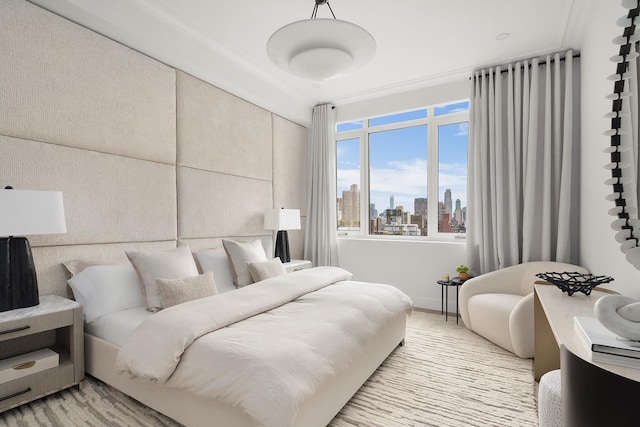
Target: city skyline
410	207
400	219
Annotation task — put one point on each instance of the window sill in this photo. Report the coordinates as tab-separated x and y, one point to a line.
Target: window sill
455	240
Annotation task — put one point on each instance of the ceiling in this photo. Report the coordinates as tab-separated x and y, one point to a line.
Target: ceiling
420	43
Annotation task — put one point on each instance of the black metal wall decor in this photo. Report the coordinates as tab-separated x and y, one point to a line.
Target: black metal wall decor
624	180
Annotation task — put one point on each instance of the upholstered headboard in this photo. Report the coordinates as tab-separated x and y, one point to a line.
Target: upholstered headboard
147	156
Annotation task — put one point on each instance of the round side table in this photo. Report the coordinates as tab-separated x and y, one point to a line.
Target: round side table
444	299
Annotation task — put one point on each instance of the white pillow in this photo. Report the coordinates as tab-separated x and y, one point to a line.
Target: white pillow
78	265
104	289
176	263
240	254
216	261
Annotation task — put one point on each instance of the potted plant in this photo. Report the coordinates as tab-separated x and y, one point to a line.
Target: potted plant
463	272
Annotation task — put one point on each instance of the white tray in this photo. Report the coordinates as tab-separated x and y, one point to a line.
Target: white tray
26	364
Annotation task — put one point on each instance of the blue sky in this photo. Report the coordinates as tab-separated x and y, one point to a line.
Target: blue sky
398	159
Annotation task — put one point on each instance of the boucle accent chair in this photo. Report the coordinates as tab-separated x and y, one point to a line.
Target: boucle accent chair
499	305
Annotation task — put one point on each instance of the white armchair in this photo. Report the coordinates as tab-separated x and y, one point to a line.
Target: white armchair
499	305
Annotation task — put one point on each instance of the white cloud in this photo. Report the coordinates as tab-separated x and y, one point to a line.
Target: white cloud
345	178
405	180
458	110
341	150
463	129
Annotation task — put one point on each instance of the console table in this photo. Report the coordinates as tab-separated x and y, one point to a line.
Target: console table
553	313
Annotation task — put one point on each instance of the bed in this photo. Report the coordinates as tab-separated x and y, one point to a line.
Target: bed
366	324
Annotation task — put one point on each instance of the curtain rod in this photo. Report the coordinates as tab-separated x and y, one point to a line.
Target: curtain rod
543	61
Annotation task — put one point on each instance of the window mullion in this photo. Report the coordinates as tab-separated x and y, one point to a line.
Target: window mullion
432	177
364	181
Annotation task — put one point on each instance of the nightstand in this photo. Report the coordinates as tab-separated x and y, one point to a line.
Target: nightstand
56	323
296	264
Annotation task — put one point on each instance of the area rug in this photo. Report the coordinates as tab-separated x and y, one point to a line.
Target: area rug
444	376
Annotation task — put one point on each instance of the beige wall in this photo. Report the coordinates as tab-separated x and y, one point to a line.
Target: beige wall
146	156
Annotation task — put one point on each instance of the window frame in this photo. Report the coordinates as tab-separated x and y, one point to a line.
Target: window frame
433	169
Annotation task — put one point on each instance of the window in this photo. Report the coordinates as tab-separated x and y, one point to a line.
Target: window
407	156
452	177
348	177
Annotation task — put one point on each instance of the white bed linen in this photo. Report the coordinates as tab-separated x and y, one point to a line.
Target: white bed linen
269	363
116	327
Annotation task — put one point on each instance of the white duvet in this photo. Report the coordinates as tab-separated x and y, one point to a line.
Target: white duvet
266	347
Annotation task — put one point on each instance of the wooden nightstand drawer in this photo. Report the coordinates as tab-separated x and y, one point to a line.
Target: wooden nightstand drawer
25	389
32	325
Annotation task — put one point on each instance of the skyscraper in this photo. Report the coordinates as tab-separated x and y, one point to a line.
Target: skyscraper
351	207
391	203
420	206
458	213
447	202
373	212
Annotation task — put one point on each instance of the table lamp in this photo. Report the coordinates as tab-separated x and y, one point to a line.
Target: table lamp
282	220
24	212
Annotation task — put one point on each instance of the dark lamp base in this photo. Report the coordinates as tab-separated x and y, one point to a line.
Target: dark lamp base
282	246
18	281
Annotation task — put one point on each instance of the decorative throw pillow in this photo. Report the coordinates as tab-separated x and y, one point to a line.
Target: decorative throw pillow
266	269
176	263
240	254
104	289
216	261
177	291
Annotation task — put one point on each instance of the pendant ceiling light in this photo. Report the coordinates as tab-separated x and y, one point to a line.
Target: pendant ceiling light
321	49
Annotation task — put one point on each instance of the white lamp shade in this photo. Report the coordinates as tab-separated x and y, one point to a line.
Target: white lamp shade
26	212
321	49
282	219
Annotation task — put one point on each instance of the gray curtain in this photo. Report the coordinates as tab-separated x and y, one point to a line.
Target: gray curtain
523	164
321	246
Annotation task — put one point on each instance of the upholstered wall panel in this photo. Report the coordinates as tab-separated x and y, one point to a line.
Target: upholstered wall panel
212	204
107	198
220	132
289	165
53	276
108	126
200	244
296	242
63	84
290	175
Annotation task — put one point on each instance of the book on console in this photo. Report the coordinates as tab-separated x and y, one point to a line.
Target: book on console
605	346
